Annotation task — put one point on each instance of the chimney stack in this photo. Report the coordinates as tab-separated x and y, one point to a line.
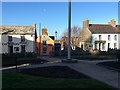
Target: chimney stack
112	22
44	31
86	23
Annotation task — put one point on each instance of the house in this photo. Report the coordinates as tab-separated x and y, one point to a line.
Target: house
17	39
45	43
99	36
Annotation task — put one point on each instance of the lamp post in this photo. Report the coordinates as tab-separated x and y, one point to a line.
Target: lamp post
56	35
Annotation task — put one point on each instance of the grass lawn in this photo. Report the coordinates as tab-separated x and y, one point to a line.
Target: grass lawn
26	58
18	80
111	64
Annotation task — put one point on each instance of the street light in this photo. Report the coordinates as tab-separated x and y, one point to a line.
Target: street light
56	35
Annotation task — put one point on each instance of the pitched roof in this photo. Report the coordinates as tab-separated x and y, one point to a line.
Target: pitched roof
17	30
102	29
52	37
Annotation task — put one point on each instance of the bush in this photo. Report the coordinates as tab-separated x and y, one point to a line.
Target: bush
118	55
79	51
76	52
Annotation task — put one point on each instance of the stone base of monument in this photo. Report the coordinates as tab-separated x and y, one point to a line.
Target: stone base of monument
69	60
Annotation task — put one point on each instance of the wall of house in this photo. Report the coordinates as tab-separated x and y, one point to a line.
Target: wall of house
0	43
85	36
39	44
16	39
4	40
104	37
30	43
119	41
49	49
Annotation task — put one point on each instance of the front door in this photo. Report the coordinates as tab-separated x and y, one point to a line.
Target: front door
10	49
108	46
22	48
44	48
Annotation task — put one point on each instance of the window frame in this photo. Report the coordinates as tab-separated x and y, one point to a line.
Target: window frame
10	38
109	38
22	38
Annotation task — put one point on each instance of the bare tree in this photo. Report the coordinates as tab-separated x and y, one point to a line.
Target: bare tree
75	32
75	37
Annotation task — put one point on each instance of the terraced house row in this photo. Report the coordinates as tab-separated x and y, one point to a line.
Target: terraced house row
19	39
23	39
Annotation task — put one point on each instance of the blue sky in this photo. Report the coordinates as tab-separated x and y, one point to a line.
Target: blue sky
54	15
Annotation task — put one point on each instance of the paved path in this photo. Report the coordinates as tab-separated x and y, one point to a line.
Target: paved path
89	68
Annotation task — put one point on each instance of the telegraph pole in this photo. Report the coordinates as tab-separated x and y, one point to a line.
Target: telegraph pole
40	36
69	29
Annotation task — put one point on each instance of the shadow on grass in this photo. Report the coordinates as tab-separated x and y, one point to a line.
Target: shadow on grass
51	77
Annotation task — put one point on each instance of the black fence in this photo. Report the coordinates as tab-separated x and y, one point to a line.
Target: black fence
13	59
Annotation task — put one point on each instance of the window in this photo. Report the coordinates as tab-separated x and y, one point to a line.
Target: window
100	37
16	48
109	38
9	38
22	48
99	46
115	37
22	38
103	46
95	45
44	42
115	45
82	46
108	45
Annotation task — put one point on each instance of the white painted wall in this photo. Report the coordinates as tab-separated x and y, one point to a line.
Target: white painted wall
105	38
4	40
119	41
30	45
0	43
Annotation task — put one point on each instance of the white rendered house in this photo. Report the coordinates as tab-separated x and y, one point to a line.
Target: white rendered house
17	39
99	36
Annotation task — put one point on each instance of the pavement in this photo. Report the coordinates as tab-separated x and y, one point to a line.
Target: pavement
88	68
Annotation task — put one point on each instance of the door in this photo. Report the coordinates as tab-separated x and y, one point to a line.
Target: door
10	49
22	48
44	50
108	46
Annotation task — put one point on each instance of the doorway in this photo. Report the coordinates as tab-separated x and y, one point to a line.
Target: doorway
10	49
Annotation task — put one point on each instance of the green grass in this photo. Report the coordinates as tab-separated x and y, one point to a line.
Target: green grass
18	80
